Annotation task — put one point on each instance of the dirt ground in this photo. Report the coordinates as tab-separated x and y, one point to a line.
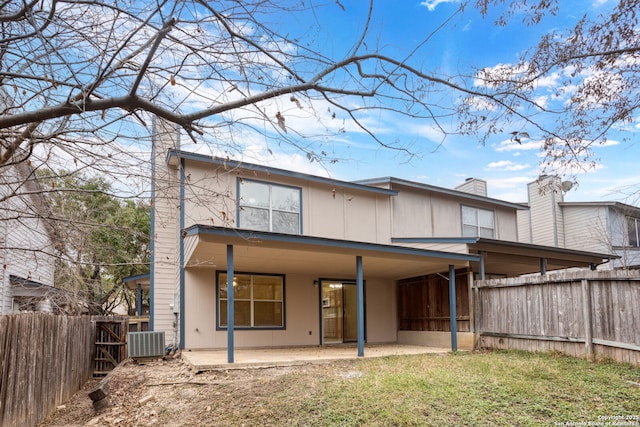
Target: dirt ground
168	393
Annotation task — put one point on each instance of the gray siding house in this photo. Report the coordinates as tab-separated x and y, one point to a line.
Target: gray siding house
26	243
608	227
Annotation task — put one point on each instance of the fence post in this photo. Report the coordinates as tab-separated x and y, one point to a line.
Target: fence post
477	318
586	313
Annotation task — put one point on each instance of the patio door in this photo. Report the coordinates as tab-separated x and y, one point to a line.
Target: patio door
339	312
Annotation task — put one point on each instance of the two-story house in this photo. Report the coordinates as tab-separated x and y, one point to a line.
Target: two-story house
610	227
26	243
252	256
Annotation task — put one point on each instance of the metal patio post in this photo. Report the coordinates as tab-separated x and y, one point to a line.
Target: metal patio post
360	290
230	304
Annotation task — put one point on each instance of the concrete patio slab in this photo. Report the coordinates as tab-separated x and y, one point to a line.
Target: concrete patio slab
208	360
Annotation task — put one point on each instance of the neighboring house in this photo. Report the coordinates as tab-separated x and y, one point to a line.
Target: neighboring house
26	243
298	249
609	227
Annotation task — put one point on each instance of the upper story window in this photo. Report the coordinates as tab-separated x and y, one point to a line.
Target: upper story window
478	222
269	207
633	231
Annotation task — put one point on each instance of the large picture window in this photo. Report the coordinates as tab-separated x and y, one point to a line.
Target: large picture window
633	231
258	300
269	207
478	222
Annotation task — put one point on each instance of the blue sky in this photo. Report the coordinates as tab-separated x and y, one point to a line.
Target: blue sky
468	41
472	41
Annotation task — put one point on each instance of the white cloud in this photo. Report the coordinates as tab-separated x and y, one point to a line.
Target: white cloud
513	189
432	4
509	145
608	143
507	165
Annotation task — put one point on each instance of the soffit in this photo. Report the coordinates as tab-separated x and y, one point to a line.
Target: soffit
320	257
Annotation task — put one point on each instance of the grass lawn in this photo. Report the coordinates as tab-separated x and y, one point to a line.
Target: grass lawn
503	388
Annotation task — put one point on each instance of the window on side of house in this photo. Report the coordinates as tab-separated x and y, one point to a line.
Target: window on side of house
269	207
258	301
633	231
478	222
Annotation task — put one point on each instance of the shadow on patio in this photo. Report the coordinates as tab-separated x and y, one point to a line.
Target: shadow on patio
208	360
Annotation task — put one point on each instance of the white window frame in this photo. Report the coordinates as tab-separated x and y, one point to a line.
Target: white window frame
242	204
251	300
477	226
636	222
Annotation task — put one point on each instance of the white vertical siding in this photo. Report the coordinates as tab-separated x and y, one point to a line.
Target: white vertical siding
524	226
166	223
545	214
26	247
586	228
474	186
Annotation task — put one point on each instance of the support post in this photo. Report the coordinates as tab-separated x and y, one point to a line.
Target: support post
230	304
139	300
586	313
452	308
543	266
360	296
477	310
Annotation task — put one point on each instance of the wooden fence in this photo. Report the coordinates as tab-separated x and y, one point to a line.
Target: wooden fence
44	360
588	314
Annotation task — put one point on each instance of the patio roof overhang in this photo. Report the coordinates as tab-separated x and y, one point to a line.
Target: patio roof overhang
520	257
515	258
140	280
205	246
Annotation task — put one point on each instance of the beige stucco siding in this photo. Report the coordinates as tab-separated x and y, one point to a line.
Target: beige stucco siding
430	214
381	311
327	211
412	214
506	224
301	310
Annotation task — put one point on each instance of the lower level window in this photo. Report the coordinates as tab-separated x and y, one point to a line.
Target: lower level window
258	300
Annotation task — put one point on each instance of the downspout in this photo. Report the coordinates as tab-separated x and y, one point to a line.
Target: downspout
139	300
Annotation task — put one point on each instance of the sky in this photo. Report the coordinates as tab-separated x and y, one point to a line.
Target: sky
469	41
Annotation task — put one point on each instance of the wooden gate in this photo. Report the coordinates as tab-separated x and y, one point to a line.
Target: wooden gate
110	344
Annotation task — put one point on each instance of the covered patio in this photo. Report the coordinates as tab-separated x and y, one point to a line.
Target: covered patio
211	360
308	262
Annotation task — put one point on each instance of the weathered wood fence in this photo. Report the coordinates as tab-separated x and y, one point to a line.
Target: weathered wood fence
44	360
588	314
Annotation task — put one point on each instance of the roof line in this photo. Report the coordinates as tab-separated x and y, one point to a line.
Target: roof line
326	242
234	164
136	277
464	240
546	248
422	186
482	240
620	205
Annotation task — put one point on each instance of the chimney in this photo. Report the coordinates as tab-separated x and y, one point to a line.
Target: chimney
474	186
546	219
